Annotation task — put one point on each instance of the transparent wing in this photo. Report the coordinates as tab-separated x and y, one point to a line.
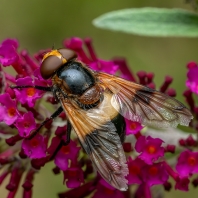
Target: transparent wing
98	137
142	104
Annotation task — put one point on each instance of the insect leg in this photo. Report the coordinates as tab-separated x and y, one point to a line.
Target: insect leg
62	142
30	86
68	133
54	115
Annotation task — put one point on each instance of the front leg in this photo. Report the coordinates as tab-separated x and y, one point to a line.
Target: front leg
54	115
62	142
30	86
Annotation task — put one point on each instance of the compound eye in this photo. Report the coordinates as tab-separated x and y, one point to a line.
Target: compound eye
67	54
49	66
53	60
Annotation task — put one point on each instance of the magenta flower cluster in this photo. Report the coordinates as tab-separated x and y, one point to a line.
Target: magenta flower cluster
24	152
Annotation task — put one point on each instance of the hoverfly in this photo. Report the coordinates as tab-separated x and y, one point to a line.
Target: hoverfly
96	103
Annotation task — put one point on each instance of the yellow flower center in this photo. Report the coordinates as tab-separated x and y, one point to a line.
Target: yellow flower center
12	111
30	91
151	149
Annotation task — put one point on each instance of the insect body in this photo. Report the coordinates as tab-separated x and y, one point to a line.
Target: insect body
96	104
98	124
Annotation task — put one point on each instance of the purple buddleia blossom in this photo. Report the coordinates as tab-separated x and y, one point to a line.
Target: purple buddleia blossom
192	80
154	174
150	149
132	127
25	124
135	166
66	153
8	53
73	177
8	109
27	146
140	172
35	147
28	95
94	63
187	163
182	183
103	189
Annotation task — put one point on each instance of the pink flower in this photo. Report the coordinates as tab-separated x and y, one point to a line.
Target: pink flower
126	72
8	109
182	183
28	95
150	149
135	167
104	66
104	190
192	78
132	127
23	150
26	124
8	53
35	147
140	172
66	153
187	163
95	63
154	174
73	177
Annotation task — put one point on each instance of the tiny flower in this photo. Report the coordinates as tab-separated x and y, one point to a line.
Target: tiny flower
135	167
26	124
170	148
37	74
15	178
187	163
190	141
142	75
192	80
103	189
28	95
8	110
154	174
39	79
35	147
66	153
195	182
127	147
21	156
132	127
8	54
73	177
81	191
39	162
150	148
74	43
182	183
167	186
27	185
95	63
168	80
143	191
13	140
124	68
104	66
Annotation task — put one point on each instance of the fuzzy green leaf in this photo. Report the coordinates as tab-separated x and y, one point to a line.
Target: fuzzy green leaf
151	22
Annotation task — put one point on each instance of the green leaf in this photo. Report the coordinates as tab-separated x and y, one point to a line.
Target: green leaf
151	22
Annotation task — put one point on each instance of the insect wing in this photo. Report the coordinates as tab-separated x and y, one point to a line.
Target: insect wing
98	137
142	104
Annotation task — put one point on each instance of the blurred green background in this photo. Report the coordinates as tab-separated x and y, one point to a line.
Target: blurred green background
38	24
